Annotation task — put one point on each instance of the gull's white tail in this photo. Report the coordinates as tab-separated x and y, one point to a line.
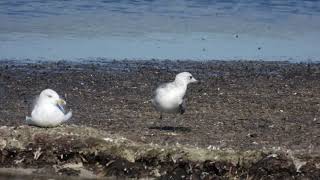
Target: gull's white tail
29	120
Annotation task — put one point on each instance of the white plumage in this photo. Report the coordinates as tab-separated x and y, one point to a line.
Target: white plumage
48	110
168	97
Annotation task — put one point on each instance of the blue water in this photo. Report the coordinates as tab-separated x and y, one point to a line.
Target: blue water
160	29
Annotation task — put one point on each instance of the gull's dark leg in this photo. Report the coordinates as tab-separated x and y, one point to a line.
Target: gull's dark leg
182	110
161	117
175	124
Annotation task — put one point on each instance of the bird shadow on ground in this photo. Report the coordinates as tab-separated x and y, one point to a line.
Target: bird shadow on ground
171	128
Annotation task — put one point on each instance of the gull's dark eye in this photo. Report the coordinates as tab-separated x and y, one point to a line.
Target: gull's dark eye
190	77
49	96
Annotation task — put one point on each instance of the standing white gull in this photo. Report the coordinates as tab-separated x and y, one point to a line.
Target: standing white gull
168	97
48	110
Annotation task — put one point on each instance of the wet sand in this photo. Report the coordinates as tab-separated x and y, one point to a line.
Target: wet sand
240	106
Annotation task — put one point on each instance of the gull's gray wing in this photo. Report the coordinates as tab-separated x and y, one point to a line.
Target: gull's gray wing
61	108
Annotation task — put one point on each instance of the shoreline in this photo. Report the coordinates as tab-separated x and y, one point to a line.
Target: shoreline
103	60
239	106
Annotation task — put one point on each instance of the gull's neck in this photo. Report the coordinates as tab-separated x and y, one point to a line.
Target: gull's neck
181	84
181	88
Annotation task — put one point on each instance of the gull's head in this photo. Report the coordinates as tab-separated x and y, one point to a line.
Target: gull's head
52	97
185	77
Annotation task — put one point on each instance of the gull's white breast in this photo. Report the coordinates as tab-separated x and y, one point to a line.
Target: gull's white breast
47	115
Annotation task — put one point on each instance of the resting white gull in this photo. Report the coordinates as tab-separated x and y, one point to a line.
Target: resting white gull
48	110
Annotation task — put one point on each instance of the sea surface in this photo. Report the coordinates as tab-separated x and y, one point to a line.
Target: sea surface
160	29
